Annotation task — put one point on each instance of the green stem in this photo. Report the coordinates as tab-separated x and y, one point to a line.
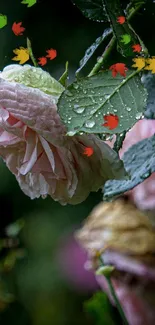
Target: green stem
119	141
118	305
114	296
103	57
31	52
111	45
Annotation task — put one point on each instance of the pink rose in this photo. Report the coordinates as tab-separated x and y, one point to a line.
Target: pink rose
141	130
34	145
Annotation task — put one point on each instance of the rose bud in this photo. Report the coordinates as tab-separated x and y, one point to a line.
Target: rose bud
123	237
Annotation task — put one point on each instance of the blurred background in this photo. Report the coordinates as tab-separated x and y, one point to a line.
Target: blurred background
42	275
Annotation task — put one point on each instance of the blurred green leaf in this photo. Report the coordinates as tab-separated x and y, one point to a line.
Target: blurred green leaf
14	229
100	309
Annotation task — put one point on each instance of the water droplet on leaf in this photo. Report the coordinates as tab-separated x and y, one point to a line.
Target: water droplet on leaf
75	86
71	133
138	116
78	109
89	124
107	96
68	93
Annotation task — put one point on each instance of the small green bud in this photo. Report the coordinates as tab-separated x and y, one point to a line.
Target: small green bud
105	270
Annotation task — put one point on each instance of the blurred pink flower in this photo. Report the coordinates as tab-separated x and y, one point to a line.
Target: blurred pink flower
34	145
143	195
141	130
72	258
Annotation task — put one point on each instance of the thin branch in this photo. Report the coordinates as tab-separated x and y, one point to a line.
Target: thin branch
113	294
31	52
119	141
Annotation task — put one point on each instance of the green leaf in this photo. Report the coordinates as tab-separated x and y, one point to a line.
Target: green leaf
139	162
126	38
63	78
90	51
100	309
3	20
148	79
84	103
29	3
92	9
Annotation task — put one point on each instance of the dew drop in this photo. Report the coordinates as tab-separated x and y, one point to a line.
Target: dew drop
92	98
89	124
115	110
68	93
75	86
145	175
109	137
138	116
78	109
107	96
128	109
71	133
